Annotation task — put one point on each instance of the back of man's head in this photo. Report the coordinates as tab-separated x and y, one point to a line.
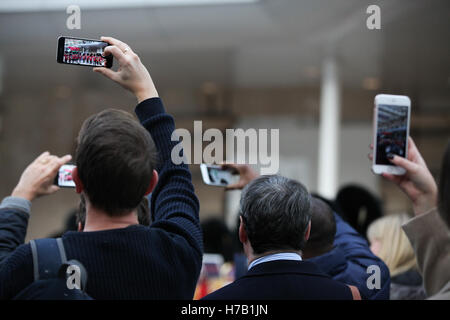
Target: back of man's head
276	212
115	159
323	229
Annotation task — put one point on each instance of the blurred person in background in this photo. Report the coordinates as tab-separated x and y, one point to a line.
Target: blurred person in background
70	224
428	231
342	253
358	206
389	242
444	187
217	238
217	267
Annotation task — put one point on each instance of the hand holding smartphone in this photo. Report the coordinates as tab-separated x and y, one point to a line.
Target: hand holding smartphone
216	176
83	52
391	132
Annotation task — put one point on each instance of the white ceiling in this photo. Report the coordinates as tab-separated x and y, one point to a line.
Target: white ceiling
268	43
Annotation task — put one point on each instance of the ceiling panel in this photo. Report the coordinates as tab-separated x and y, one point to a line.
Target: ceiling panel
269	43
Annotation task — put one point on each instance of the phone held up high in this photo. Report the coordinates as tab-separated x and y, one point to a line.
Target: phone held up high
214	175
83	52
391	132
64	177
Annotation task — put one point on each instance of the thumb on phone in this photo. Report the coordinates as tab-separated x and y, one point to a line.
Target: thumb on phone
51	189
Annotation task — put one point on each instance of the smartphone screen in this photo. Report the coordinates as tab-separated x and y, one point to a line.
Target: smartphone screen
64	177
218	176
392	132
83	52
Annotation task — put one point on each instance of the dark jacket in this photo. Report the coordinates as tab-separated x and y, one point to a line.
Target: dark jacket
408	285
138	262
283	280
348	261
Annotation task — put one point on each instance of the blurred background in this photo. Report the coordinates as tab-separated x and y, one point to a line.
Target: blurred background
232	64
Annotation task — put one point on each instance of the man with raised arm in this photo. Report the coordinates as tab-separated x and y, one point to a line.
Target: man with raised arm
118	162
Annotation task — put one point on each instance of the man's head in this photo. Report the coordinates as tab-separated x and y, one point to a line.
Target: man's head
323	229
115	161
275	215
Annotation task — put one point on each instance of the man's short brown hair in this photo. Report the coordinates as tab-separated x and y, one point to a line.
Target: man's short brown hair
115	158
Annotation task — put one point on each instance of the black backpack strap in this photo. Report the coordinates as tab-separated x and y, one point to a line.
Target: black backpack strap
48	255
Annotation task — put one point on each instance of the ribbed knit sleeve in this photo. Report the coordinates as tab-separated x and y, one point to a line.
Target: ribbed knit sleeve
16	272
174	205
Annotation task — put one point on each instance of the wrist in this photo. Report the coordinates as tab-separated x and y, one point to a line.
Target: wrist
145	94
252	175
23	193
424	204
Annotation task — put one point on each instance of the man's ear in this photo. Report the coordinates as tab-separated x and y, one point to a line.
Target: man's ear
242	233
308	231
76	178
153	182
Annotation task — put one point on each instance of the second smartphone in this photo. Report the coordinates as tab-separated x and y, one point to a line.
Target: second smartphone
214	175
391	132
83	52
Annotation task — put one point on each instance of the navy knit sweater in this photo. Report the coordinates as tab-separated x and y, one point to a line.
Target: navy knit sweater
158	262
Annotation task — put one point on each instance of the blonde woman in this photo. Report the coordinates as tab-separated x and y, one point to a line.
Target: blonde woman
389	242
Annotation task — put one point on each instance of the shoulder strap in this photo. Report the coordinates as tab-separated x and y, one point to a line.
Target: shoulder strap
48	255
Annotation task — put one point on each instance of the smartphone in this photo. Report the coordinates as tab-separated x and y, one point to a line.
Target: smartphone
64	177
83	52
391	132
211	264
216	176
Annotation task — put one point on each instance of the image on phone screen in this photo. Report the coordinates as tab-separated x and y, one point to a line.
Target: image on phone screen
83	52
392	131
218	176
64	177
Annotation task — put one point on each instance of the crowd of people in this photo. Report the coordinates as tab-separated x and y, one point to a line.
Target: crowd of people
86	58
138	233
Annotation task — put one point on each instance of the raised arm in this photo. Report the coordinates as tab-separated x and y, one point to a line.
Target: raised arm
427	232
174	206
16	268
36	181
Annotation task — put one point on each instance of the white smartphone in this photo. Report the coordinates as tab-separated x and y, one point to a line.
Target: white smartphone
391	132
216	176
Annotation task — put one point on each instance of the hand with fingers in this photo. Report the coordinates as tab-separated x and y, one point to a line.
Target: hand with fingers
417	183
246	175
37	179
131	74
